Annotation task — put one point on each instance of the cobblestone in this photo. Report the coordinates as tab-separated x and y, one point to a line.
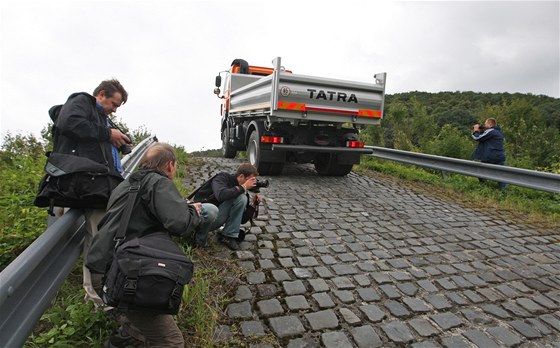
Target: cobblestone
322	320
323	300
505	336
363	262
397	332
447	320
373	313
286	326
252	328
295	287
335	340
480	339
297	302
366	337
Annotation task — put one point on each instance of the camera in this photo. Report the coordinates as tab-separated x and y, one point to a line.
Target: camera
260	183
125	149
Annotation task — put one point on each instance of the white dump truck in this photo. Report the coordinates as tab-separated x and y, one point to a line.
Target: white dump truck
278	117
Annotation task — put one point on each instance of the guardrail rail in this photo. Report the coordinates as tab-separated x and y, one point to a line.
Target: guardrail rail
543	181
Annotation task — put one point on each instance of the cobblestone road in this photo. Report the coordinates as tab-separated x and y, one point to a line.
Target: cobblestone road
362	262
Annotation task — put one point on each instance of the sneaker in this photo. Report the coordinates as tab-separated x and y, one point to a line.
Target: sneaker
229	242
241	237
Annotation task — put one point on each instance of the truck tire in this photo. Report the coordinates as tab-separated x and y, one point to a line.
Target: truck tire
255	158
227	150
254	153
327	164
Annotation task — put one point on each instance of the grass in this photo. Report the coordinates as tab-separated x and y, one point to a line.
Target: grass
531	206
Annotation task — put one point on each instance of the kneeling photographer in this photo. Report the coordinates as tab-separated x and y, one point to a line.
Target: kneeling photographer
229	193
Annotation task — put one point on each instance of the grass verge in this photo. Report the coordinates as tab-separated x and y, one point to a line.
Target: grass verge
532	206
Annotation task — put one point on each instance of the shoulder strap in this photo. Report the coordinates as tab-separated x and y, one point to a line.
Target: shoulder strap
132	193
135	183
201	186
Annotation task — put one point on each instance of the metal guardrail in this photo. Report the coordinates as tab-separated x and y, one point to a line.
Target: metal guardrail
542	181
31	281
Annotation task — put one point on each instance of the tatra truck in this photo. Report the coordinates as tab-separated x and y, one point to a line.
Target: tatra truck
278	117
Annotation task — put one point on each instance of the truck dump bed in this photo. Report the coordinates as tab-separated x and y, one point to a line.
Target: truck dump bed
283	96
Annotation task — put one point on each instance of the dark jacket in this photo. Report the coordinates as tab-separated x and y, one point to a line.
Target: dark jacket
80	129
490	148
158	207
220	188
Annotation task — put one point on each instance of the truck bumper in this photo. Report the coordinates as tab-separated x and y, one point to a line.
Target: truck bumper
309	148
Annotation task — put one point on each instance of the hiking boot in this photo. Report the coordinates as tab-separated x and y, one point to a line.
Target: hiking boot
120	338
230	242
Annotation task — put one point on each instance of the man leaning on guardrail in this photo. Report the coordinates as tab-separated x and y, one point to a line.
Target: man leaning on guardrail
490	147
81	128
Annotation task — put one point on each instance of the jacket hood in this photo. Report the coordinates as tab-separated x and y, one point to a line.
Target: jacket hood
74	95
55	110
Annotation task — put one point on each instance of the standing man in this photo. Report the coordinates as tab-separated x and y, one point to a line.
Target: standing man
81	129
490	148
228	192
158	207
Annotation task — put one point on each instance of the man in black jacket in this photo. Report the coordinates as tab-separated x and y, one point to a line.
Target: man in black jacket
81	129
490	147
228	192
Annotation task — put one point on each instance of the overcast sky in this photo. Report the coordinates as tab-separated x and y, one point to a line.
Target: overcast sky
167	53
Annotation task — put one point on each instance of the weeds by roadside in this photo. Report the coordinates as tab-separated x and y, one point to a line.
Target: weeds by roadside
533	206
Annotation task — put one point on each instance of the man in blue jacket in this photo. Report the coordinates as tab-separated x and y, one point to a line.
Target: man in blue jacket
490	148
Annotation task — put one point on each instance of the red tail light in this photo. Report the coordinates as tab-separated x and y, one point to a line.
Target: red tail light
270	139
355	144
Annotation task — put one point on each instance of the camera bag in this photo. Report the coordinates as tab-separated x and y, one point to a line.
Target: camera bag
147	273
75	182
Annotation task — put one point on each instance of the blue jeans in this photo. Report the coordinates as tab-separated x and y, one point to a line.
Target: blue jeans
502	185
208	214
229	213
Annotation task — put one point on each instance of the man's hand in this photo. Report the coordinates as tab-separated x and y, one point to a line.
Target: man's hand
250	183
198	207
118	138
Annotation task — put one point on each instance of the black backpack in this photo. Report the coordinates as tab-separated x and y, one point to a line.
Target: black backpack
204	194
74	181
147	273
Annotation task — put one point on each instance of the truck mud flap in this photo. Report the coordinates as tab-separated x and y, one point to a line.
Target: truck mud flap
269	156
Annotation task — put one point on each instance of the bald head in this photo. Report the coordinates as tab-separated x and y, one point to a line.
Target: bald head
159	156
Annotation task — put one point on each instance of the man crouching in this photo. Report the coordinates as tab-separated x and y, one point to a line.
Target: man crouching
158	207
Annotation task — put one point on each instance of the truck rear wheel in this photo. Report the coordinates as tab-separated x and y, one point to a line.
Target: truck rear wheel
255	157
227	150
327	164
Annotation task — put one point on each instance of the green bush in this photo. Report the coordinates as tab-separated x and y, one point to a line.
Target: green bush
21	168
73	323
451	142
